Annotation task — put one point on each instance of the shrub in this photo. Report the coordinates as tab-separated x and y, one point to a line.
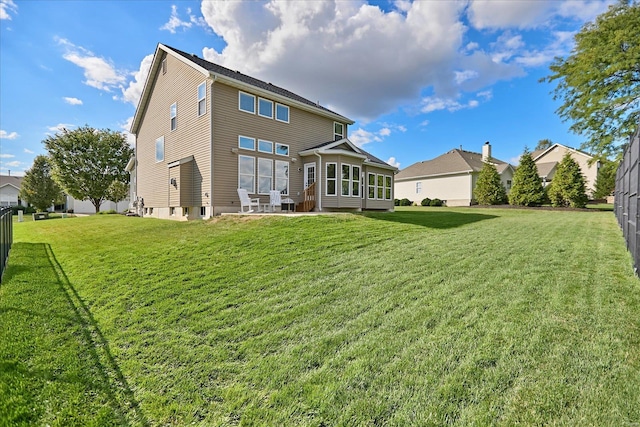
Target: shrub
396	202
436	202
425	202
406	202
25	209
109	212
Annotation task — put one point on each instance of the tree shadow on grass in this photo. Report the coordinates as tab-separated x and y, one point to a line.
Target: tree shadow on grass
41	302
441	219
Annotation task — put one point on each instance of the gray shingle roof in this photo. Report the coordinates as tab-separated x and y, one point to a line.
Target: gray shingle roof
370	157
16	181
236	75
454	161
545	169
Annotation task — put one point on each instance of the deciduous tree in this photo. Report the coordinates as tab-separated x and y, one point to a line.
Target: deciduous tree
599	82
38	186
86	161
526	189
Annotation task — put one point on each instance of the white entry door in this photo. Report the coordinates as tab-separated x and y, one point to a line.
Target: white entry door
309	174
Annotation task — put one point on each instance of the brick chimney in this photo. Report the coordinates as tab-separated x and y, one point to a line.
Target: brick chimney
486	152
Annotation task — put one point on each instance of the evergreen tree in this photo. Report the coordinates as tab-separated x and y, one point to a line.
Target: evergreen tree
526	189
38	186
489	189
568	185
606	180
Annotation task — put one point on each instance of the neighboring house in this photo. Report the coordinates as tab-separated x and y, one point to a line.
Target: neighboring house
450	177
86	207
10	190
547	161
203	131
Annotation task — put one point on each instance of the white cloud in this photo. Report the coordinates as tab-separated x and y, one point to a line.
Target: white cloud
393	162
384	132
486	95
5	135
7	7
26	150
361	137
424	123
99	72
72	101
176	23
491	14
126	126
363	62
13	164
133	92
299	44
60	127
6	156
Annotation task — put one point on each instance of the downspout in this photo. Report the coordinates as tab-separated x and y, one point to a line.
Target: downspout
319	181
211	213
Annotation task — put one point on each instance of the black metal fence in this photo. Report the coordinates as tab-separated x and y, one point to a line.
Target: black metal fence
6	237
627	197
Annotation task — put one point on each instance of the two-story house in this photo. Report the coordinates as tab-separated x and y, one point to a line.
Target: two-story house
547	161
203	131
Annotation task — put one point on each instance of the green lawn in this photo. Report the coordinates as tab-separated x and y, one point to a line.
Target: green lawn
427	316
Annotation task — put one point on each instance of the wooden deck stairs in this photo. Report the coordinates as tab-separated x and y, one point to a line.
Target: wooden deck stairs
309	199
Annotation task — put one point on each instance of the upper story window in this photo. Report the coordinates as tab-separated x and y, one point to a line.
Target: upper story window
282	149
246	102
202	99
265	146
174	116
418	187
164	66
282	113
160	149
338	131
265	108
246	143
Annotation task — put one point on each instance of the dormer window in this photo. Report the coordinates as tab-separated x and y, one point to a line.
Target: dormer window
338	131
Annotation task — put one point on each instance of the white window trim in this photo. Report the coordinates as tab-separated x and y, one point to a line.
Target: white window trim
375	184
390	187
253	174
378	187
282	145
275	111
327	179
173	116
338	134
270	176
355	180
349	181
418	187
204	98
264	140
240	93
275	171
272	108
160	139
248	137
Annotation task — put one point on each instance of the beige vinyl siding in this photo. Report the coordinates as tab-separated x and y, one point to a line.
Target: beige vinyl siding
339	201
304	130
590	172
191	138
455	189
377	203
181	195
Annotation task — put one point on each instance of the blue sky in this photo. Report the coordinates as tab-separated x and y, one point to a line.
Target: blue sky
420	78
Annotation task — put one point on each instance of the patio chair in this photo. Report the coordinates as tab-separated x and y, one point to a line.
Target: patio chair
245	200
274	200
